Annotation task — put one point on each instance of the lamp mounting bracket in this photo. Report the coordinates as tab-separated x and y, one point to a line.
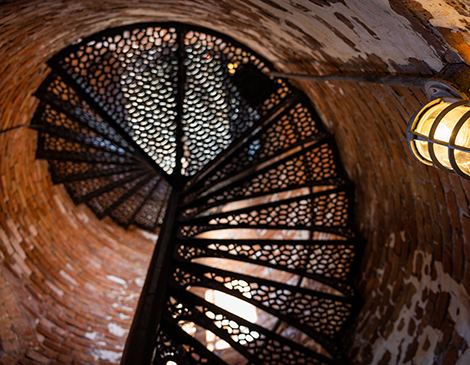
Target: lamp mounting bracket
452	81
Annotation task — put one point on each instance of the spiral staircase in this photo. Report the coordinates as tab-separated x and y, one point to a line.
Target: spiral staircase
177	129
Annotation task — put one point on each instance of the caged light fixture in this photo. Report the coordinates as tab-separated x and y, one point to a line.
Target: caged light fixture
439	133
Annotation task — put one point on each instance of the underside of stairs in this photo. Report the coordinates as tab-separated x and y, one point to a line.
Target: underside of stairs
178	130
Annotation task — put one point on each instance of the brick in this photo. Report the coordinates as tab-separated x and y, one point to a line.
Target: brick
441	309
24	332
11	346
77	323
453	213
466	235
33	355
6	335
82	356
48	353
458	259
75	346
411	350
57	347
458	342
48	334
411	325
451	356
466	279
460	196
62	359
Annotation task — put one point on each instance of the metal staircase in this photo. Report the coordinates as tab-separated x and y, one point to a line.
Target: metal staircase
177	128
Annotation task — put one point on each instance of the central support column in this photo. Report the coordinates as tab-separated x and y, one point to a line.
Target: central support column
142	335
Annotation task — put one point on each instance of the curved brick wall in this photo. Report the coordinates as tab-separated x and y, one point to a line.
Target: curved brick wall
69	282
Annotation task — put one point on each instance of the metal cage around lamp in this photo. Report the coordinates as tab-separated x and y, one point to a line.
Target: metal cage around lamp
439	133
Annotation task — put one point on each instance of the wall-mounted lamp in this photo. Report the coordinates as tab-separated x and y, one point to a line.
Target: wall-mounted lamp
439	133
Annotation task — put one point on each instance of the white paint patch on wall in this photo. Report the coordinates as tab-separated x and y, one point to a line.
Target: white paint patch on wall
122	307
123	316
464	358
150	236
116	330
92	335
116	279
140	281
459	312
108	355
444	15
403	236
394	39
